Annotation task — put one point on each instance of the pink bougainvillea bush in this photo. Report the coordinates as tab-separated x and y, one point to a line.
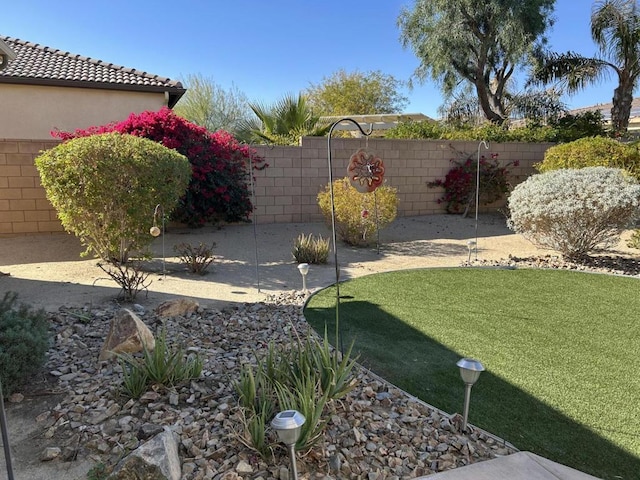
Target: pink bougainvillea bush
219	189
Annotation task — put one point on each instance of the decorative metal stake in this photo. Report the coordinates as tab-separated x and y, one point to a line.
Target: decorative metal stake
333	220
486	146
5	437
155	232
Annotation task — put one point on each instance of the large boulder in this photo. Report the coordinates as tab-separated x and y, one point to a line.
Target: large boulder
156	459
127	334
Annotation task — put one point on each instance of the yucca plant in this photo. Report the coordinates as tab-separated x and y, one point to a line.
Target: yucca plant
309	249
160	366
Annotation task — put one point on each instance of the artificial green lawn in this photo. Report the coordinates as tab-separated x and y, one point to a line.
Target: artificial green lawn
561	349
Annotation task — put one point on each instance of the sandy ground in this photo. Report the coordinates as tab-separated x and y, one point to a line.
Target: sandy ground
251	261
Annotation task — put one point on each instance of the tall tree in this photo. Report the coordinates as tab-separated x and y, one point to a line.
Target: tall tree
480	42
282	123
357	93
615	28
209	105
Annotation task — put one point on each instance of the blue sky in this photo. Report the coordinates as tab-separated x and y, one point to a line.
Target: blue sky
266	48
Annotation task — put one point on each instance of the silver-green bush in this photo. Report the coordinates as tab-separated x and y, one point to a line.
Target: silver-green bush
575	212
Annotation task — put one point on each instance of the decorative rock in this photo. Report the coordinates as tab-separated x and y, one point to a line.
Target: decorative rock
157	459
177	308
127	334
244	467
16	398
50	453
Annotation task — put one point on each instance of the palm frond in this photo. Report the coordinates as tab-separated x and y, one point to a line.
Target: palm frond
570	71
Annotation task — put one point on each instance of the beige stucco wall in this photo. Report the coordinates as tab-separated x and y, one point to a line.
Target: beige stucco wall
30	111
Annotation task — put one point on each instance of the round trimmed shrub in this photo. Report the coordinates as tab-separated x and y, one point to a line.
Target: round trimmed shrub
356	212
24	341
105	189
592	152
574	211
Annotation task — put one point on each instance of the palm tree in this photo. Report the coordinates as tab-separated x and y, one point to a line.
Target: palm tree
615	28
282	123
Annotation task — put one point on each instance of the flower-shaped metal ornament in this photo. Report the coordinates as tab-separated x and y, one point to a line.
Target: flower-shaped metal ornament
365	171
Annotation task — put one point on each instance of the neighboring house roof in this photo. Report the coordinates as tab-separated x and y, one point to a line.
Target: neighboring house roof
605	109
36	64
382	121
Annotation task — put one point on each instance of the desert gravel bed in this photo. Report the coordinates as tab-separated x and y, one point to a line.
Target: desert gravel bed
376	432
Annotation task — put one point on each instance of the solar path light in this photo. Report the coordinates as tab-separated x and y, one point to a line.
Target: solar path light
288	425
470	370
304	269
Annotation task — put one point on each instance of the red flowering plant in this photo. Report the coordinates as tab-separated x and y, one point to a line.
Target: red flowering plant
460	182
218	189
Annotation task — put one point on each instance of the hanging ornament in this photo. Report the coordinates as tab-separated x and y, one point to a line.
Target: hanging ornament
365	171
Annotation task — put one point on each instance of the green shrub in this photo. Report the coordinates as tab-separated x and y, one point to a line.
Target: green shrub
306	377
105	188
24	341
574	212
572	127
162	366
196	259
563	129
592	152
416	130
309	249
358	214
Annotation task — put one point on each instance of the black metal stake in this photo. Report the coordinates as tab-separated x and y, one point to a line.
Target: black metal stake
333	222
5	437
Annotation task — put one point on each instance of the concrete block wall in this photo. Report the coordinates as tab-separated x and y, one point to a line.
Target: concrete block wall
287	190
24	207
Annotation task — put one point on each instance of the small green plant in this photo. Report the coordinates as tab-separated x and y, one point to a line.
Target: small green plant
305	376
162	366
309	249
98	472
359	214
130	276
24	341
196	259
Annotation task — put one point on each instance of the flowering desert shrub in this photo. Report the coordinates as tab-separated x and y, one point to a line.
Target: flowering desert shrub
358	213
460	183
574	211
218	189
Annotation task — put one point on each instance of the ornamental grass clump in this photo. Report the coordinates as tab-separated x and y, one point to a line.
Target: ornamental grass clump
308	376
359	214
310	249
575	212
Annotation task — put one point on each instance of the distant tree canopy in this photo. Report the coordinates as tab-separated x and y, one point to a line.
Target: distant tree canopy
480	43
615	28
209	105
356	93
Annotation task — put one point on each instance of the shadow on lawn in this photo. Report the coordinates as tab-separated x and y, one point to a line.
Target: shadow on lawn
427	369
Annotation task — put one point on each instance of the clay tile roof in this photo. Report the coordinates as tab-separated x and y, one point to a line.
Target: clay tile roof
41	65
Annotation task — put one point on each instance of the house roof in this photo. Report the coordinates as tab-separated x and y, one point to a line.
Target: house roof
36	64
